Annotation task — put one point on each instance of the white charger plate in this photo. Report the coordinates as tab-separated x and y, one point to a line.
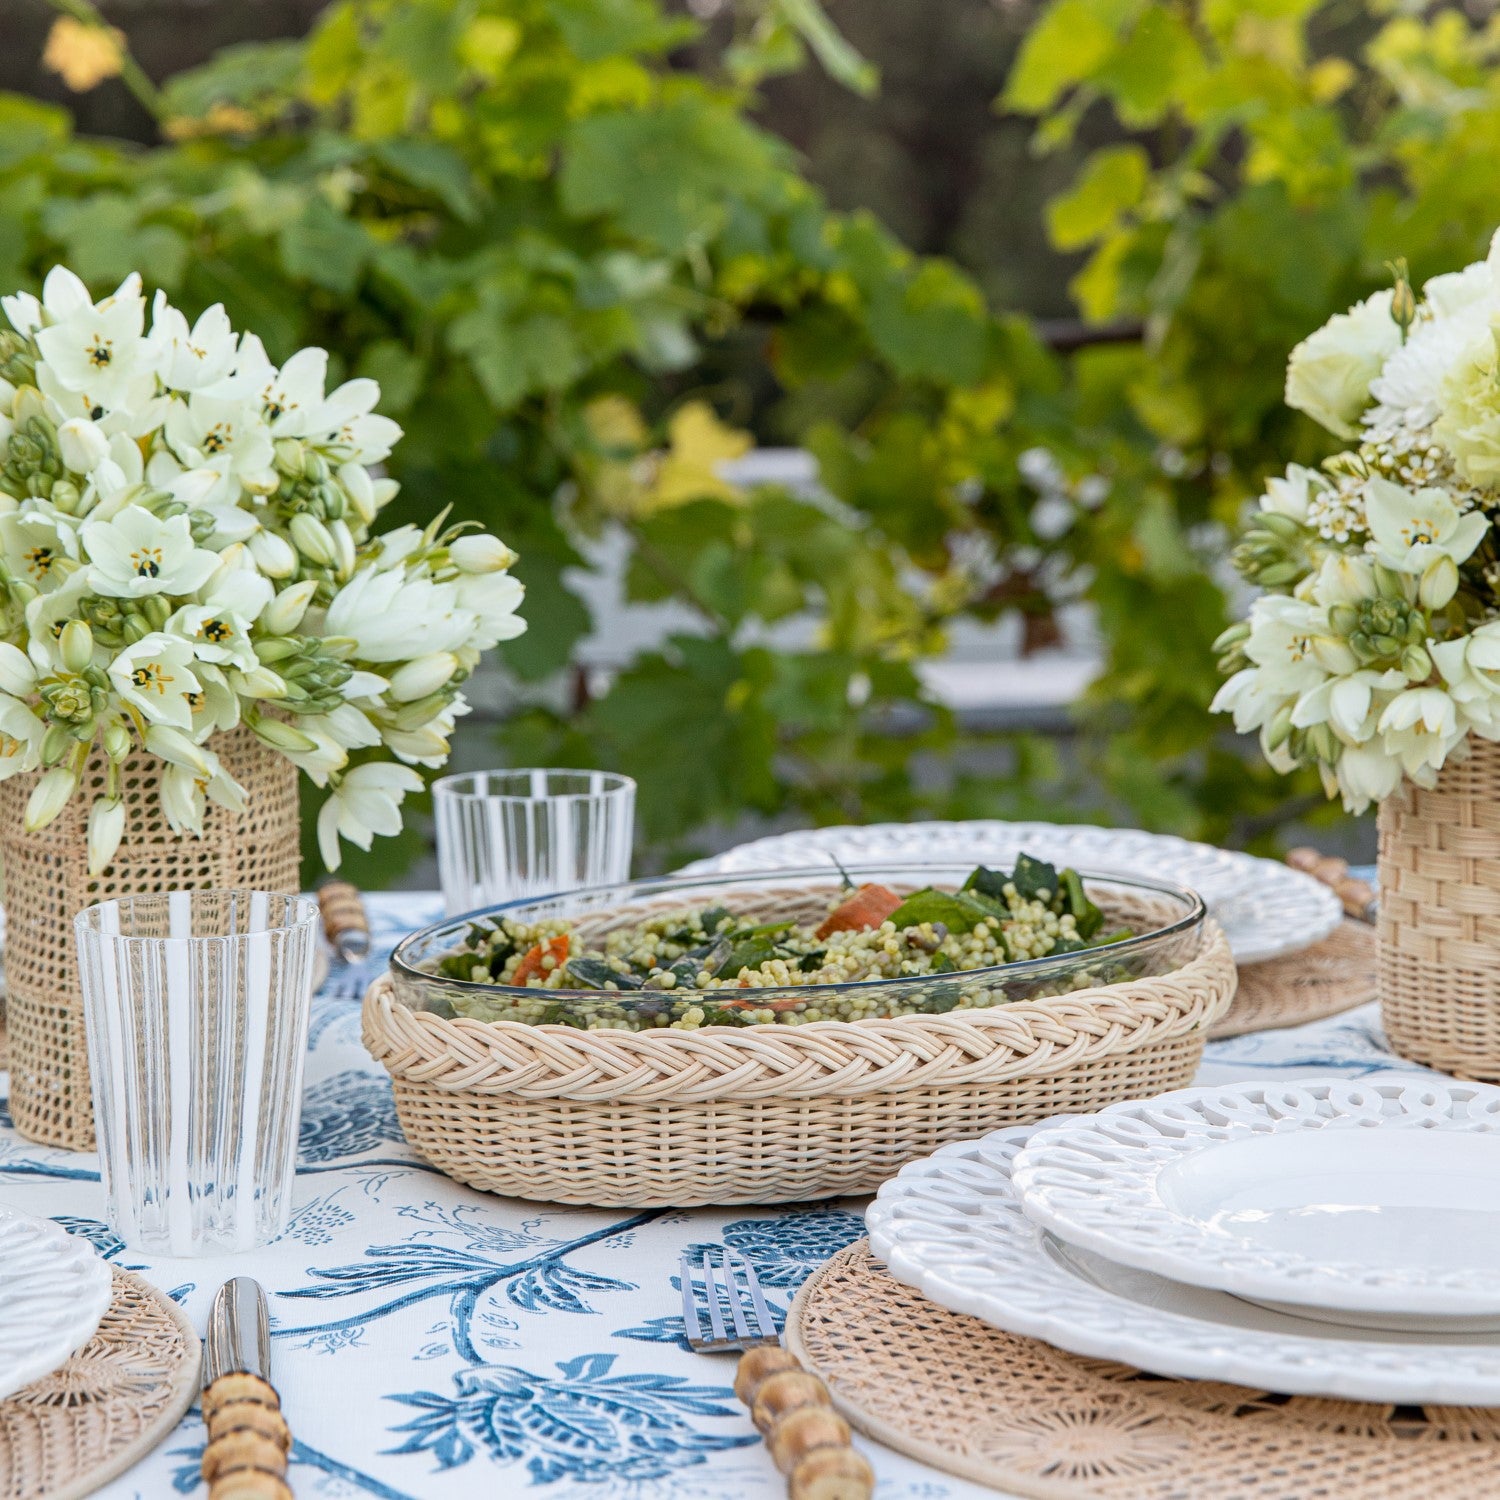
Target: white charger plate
54	1289
1266	909
1338	1197
952	1226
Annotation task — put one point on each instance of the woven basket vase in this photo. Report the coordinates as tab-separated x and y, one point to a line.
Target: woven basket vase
774	1114
47	882
1440	917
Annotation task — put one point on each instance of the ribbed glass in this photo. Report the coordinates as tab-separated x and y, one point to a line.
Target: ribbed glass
507	835
196	1004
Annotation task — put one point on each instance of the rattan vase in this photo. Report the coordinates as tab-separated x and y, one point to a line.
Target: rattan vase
1440	917
47	883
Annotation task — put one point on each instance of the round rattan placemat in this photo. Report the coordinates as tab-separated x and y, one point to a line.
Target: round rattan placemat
1332	976
1016	1414
67	1434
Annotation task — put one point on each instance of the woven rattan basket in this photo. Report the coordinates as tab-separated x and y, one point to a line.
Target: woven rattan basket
47	882
773	1114
1440	917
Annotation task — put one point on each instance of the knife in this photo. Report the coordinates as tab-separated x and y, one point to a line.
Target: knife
248	1439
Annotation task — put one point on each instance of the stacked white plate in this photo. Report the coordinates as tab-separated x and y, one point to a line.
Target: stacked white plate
1325	1237
1266	909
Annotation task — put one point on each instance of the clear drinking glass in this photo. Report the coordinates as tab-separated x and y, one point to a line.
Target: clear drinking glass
502	835
196	1004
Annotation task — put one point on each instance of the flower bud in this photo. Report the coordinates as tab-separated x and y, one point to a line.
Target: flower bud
1279	730
386	490
310	537
1323	742
283	737
360	489
289	457
273	555
1416	664
55	743
343	544
260	682
76	646
49	797
284	613
106	829
17	675
82	444
1439	582
480	554
116	740
422	677
173	746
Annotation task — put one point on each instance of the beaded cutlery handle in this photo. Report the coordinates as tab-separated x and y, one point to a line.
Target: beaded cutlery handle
807	1439
344	919
1357	896
249	1440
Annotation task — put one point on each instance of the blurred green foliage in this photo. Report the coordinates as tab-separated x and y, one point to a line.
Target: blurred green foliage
552	247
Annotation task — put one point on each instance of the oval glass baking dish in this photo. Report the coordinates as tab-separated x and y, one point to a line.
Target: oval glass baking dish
1162	924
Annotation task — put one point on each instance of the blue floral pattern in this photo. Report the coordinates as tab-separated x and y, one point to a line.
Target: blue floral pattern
436	1343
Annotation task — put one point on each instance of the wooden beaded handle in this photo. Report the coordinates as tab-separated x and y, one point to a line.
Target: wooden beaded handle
248	1440
1357	896
344	919
808	1440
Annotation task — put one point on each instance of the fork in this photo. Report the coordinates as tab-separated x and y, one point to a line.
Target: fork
790	1406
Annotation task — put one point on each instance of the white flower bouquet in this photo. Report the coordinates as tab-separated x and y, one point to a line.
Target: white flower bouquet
1374	651
185	546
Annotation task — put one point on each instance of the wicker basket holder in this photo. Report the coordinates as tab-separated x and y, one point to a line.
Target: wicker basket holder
1440	917
774	1114
47	882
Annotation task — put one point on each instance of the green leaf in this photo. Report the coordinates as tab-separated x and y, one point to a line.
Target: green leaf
955	911
932	326
1033	876
437	168
1111	183
1065	46
28	127
325	248
840	60
243	74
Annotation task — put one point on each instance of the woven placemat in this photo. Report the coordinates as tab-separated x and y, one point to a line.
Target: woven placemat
74	1430
1332	976
1016	1414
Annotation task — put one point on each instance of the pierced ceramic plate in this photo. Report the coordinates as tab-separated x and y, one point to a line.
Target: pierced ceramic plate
952	1226
1374	1198
1266	909
54	1289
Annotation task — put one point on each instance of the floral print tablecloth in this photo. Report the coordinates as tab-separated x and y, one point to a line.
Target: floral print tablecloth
432	1341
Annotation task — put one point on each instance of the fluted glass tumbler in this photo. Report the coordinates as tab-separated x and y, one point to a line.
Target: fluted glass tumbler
504	835
196	1007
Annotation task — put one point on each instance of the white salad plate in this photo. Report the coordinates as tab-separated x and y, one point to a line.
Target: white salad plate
952	1226
54	1289
1266	909
1374	1201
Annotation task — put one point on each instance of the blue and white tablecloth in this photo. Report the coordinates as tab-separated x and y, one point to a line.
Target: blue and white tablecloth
432	1341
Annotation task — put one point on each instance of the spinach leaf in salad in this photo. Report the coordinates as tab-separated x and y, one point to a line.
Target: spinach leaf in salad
956	910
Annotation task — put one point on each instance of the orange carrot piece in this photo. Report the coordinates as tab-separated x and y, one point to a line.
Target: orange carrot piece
868	907
531	964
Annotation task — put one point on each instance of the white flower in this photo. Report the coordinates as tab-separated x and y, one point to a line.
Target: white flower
155	676
1329	373
394	618
17	674
184	793
494	599
1410	387
273	554
227	437
349	427
1422	533
37	544
93	348
137	554
49	796
325	757
1282	636
1343	578
1286	496
190	359
366	801
217	635
1470	666
289	400
215	707
1420	727
21	734
1366	774
1348	704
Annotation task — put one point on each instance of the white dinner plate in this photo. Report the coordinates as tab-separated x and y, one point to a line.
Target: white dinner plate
1373	1197
952	1226
1266	909
54	1288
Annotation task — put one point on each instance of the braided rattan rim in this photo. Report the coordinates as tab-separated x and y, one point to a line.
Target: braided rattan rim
822	1058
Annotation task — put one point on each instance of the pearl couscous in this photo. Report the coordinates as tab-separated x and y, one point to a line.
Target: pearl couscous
708	966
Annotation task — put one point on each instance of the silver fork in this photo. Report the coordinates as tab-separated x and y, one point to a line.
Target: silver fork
808	1441
750	1321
